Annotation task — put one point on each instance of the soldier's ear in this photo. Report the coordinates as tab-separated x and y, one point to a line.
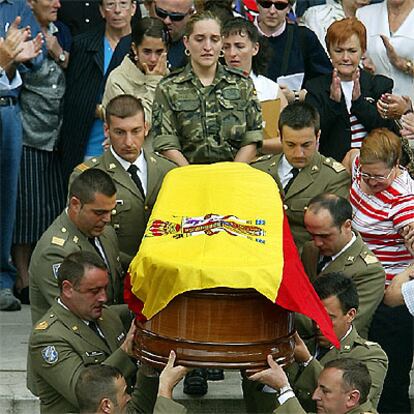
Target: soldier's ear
146	128
105	406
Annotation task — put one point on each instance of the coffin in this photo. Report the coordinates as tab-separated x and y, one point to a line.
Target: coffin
221	328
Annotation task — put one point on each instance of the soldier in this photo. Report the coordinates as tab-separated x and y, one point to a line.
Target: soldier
77	331
136	172
301	172
81	227
340	299
206	112
336	248
342	388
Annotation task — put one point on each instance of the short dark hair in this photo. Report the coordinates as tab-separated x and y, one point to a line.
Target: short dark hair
150	27
75	265
244	27
338	207
96	382
355	375
339	285
299	115
123	106
90	182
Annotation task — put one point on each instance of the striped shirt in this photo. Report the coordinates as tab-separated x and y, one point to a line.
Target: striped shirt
358	132
379	218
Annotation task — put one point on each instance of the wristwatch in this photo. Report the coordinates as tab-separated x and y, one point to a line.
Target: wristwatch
62	57
409	67
297	96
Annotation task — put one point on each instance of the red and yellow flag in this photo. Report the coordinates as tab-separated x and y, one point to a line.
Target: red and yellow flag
221	225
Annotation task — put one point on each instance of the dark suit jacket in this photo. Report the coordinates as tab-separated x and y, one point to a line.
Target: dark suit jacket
335	138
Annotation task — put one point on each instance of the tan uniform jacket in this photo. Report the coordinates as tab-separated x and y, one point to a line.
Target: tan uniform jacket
304	382
320	176
132	211
61	345
360	264
59	240
292	406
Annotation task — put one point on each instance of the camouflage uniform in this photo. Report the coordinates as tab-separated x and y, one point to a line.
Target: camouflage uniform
207	124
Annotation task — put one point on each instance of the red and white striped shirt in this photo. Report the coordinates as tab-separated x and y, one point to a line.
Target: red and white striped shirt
379	218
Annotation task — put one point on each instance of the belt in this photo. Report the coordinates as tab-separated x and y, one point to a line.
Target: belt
8	100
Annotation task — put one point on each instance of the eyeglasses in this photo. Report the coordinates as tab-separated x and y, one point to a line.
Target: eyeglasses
380	178
111	5
175	17
279	5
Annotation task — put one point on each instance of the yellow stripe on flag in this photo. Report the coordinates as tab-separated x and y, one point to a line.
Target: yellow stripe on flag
218	225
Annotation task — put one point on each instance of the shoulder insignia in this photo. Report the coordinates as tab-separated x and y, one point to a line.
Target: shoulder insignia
112	166
265	157
153	160
58	241
371	343
370	259
94	160
335	165
75	239
74	328
350	258
41	326
50	355
347	347
315	168
82	167
55	269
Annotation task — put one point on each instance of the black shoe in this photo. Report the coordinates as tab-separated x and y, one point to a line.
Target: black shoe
214	374
195	382
23	296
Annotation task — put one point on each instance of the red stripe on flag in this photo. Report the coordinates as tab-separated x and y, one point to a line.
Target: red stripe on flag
296	292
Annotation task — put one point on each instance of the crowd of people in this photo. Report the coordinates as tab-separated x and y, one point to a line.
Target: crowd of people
99	100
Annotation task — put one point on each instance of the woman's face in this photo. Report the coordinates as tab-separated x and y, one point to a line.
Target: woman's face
204	43
377	176
346	57
239	51
149	51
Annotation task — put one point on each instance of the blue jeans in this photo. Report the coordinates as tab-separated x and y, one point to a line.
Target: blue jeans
10	153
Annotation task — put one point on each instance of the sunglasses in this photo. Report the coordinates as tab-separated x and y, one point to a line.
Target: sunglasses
279	5
175	17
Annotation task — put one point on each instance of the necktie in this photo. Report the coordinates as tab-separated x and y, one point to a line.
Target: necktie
100	253
321	353
295	172
98	332
325	260
132	170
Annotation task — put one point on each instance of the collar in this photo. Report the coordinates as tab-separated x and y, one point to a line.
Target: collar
277	33
65	307
139	162
349	244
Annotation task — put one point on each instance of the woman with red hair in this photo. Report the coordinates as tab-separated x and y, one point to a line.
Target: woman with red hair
346	99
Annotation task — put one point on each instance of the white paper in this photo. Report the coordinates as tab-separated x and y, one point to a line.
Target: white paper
293	82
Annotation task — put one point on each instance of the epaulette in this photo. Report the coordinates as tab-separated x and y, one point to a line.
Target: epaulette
46	322
154	160
265	157
369	258
236	71
60	238
335	165
87	164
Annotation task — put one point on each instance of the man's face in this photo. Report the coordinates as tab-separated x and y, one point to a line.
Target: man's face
330	395
299	145
127	135
122	397
328	238
117	13
341	321
272	18
86	300
45	10
175	14
91	218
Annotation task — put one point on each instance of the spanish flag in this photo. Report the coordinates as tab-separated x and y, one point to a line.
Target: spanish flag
221	225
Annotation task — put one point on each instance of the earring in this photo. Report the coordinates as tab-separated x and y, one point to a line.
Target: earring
187	52
221	53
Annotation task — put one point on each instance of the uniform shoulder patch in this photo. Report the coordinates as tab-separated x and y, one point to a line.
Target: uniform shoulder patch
41	326
50	355
369	258
265	157
82	167
58	241
335	165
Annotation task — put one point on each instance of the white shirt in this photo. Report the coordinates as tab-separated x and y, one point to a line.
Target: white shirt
267	89
407	290
284	170
7	85
375	19
140	163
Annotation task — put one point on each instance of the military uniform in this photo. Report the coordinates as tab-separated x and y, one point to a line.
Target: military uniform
292	406
61	345
362	266
320	176
304	381
207	124
57	242
132	211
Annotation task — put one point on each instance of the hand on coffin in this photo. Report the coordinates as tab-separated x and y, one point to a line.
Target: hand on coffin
274	376
170	377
